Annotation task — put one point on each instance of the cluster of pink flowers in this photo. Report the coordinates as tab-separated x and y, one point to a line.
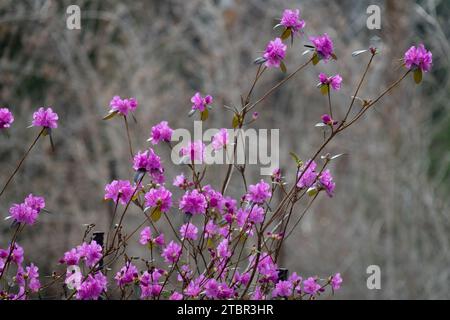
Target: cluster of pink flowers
28	211
161	132
90	253
6	118
259	193
291	20
275	53
199	103
147	239
308	178
418	58
45	118
123	106
148	161
333	81
324	46
220	140
193	202
160	198
119	190
194	151
26	279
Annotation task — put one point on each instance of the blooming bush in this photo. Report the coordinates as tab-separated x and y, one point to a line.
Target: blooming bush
224	248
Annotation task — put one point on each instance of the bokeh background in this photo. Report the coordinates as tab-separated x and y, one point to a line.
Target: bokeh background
392	206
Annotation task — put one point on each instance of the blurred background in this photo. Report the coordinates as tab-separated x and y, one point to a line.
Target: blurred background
391	207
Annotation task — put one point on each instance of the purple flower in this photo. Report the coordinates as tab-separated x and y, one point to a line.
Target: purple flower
92	287
127	274
6	118
176	296
336	281
71	257
326	119
310	286
189	231
180	181
35	202
195	151
91	252
275	53
161	132
216	290
282	289
146	237
418	58
32	273
193	289
258	294
210	229
200	103
215	198
266	267
171	252
259	193
123	106
149	284
161	198
119	190
308	175
241	279
16	255
291	20
147	161
220	139
223	250
334	81
250	216
45	118
324	46
22	213
326	182
193	202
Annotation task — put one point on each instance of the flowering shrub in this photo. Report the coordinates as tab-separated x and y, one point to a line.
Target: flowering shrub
225	248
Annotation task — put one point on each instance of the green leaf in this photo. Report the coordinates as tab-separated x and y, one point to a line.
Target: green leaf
204	115
110	115
156	214
236	121
312	191
334	56
296	158
315	59
283	67
324	89
286	34
418	76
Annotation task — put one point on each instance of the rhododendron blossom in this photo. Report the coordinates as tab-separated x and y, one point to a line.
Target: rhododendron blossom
6	118
161	132
194	151
160	198
123	106
189	231
259	192
418	58
193	202
275	53
200	103
333	81
119	190
220	139
324	46
291	20
45	118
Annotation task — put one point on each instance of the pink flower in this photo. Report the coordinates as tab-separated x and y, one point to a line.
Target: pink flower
91	252
252	215
176	296
71	257
147	161
216	290
291	20
149	284
189	231
336	281
193	289
266	267
220	139
45	118
326	119
259	192
200	103
35	202
180	181
326	181
6	118
283	289
334	81
32	273
21	213
123	106
418	58
171	252
275	53
310	286
127	274
195	151
92	287
210	229
161	132
223	250
308	175
258	294
16	255
193	202
119	190
241	279
161	198
146	237
215	198
324	46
